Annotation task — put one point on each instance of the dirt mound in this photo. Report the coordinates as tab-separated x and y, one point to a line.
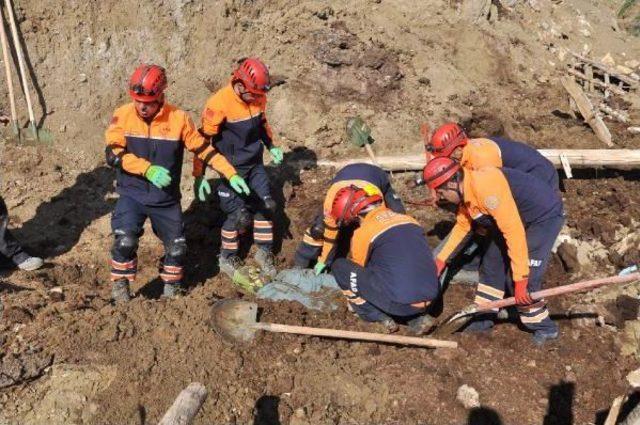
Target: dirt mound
70	356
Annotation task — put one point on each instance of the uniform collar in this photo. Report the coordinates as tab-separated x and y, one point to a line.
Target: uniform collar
466	153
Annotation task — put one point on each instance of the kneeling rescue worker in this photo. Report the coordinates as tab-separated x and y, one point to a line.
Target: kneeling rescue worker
390	272
319	240
145	143
235	121
524	217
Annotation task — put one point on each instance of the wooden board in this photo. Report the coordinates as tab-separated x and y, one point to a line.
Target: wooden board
587	110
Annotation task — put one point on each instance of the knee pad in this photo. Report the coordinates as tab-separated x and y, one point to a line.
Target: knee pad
269	204
125	244
241	219
177	249
316	231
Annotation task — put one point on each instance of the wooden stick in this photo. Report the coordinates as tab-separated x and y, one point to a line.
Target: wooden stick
614	412
617	115
587	110
578	158
606	69
7	70
598	83
186	406
21	61
362	336
585	285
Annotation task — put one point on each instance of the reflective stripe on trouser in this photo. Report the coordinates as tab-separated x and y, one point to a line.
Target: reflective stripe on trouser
229	242
262	231
171	273
308	250
124	270
486	293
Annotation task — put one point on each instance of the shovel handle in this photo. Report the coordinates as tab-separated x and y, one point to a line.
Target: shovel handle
585	285
361	336
367	147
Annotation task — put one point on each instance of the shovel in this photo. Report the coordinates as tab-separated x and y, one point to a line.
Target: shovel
359	134
236	321
458	320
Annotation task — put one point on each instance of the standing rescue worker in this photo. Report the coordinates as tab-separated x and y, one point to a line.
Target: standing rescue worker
319	240
235	121
390	271
145	143
10	248
524	216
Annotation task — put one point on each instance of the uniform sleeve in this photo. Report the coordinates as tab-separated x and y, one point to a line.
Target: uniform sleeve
203	151
330	235
457	236
116	141
212	118
496	198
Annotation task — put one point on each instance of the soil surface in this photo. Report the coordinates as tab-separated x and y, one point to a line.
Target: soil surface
69	356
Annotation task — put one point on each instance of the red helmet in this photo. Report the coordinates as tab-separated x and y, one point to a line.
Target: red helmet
349	202
254	75
439	170
446	139
147	83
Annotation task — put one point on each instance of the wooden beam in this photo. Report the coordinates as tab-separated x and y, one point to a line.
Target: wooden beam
612	88
614	412
607	69
587	110
578	158
186	406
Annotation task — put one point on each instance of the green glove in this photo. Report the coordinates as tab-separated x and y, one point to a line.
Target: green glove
202	188
277	155
239	185
319	267
159	176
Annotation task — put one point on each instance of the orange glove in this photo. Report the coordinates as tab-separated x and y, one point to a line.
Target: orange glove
440	266
520	292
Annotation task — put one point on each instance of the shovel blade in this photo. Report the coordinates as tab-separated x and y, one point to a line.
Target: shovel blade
234	320
358	131
456	321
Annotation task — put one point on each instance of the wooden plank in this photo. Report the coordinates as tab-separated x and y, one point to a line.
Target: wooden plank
587	110
578	158
186	406
566	166
614	412
630	81
588	71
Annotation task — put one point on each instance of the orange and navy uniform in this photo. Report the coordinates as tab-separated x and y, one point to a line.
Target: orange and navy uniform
139	145
528	216
237	129
513	201
360	175
390	265
500	152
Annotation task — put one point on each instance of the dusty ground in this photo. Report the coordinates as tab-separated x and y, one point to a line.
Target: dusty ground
70	357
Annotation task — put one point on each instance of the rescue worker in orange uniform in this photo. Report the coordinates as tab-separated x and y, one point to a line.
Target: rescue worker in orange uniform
321	238
450	140
145	142
524	216
235	121
390	272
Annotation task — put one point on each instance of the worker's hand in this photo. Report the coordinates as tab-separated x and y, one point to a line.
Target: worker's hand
440	266
202	188
521	294
319	267
239	185
276	155
159	176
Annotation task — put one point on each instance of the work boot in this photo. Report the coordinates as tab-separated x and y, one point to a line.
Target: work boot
31	263
229	265
543	335
421	324
390	326
481	323
266	261
120	291
173	290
